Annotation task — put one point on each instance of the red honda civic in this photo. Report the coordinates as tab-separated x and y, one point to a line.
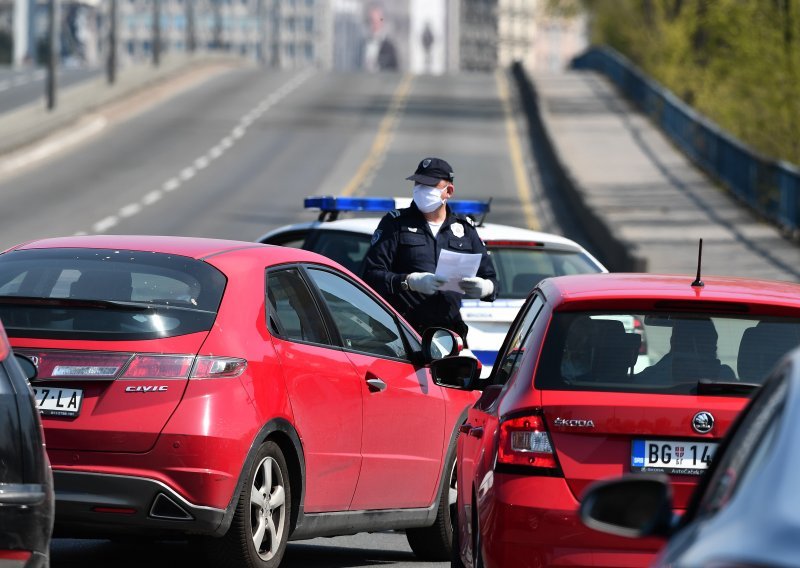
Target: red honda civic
576	395
246	393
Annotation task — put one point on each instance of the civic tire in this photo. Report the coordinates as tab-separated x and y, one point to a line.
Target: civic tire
436	541
260	528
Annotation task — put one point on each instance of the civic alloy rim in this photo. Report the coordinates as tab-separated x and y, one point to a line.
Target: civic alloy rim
267	508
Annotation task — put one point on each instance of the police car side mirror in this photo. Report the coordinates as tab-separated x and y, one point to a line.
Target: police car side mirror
438	343
459	372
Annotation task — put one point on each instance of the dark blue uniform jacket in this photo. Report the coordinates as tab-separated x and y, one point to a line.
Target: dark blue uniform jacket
403	243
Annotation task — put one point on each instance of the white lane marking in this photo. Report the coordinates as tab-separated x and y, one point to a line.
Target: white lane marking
152	197
203	162
105	224
130	210
43	151
19	81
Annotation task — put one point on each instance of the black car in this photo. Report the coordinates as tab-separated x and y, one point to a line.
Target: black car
746	510
26	482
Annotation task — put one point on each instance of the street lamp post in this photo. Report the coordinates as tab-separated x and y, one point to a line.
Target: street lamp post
111	68
191	42
52	52
156	32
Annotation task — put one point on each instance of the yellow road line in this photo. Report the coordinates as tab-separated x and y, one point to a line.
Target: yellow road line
523	183
381	142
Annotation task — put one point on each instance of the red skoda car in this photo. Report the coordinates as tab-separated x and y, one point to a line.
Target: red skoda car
576	396
242	392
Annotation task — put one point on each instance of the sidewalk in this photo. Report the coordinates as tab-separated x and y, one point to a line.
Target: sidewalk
33	122
645	194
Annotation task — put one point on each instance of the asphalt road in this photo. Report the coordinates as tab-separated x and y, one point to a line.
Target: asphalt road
359	551
233	158
236	156
19	87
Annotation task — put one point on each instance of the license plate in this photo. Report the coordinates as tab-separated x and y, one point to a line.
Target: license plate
680	457
57	401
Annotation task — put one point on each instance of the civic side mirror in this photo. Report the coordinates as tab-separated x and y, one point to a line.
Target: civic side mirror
633	506
461	373
27	366
438	343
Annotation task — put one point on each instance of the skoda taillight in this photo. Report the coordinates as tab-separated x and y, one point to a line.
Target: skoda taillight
525	443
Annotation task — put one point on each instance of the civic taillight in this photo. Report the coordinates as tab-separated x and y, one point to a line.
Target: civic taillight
159	367
88	365
524	441
218	368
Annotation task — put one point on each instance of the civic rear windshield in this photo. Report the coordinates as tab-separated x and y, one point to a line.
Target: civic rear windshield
106	294
681	353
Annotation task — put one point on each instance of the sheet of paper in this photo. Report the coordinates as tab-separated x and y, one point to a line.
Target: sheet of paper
454	266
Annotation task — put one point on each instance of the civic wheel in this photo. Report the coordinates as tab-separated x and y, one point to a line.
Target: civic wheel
436	541
260	528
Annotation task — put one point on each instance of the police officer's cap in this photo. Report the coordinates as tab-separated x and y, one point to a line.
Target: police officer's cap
431	170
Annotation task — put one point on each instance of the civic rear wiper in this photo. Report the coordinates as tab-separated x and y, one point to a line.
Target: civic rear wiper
708	386
75	303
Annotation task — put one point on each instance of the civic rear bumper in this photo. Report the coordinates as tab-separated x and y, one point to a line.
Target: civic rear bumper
95	504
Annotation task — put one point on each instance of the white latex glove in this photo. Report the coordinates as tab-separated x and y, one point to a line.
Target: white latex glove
424	282
476	287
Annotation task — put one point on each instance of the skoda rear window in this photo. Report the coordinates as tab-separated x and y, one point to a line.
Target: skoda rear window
106	294
679	353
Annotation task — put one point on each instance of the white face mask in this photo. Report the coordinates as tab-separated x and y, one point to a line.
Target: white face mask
427	198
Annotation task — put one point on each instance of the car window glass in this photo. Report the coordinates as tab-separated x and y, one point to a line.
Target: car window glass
668	352
512	356
174	295
292	239
519	270
346	248
291	310
363	323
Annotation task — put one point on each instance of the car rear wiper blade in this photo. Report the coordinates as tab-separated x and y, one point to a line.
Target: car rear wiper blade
708	386
75	302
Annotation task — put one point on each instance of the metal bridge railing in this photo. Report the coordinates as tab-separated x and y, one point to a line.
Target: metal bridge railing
769	187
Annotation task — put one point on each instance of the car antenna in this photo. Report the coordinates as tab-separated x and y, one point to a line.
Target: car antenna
697	282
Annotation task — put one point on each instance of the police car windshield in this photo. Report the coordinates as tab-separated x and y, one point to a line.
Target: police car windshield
519	270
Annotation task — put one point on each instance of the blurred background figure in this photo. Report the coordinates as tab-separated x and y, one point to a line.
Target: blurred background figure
380	53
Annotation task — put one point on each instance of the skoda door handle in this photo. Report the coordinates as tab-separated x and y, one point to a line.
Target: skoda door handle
375	384
476	432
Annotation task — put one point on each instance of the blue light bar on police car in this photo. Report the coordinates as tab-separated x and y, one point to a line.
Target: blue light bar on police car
330	203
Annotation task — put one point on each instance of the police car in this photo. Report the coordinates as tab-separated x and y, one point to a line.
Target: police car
521	257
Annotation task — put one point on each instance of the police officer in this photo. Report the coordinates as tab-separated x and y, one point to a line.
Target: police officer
401	262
